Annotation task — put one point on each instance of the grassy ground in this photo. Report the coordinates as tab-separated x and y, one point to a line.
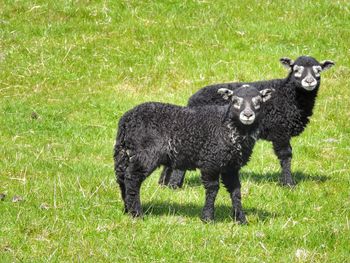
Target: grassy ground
70	69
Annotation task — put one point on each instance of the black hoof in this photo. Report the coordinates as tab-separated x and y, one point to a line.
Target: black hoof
288	183
169	185
162	182
136	214
242	221
207	220
240	218
174	186
207	217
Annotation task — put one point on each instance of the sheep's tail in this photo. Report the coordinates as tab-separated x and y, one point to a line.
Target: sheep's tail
120	151
120	156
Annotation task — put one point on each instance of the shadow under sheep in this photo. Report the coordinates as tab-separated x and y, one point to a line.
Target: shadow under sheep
275	177
194	180
222	212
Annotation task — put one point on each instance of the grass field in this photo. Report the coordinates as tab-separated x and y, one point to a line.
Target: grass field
70	69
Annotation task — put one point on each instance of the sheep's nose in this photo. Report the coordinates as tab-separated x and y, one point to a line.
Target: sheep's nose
309	80
248	113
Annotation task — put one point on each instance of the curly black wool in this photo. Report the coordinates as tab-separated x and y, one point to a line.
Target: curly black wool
212	138
285	115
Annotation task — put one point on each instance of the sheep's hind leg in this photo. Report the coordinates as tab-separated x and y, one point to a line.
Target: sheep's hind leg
284	153
172	178
231	181
211	185
165	176
135	175
133	181
121	182
177	179
120	166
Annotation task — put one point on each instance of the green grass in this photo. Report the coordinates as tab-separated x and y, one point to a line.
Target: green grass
79	65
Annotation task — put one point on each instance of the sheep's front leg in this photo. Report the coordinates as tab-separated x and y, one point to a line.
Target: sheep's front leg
172	178
283	150
211	185
230	179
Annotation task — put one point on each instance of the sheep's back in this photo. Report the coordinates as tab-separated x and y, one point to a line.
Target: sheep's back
209	95
166	125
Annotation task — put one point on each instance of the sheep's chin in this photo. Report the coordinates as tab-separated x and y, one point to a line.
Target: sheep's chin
309	88
246	121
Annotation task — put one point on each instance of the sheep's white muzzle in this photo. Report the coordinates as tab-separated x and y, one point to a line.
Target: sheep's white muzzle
309	83
246	120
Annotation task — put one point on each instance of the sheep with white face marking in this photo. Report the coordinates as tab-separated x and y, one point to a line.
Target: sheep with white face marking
285	115
215	139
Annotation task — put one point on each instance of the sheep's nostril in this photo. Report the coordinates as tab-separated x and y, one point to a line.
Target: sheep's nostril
309	80
248	114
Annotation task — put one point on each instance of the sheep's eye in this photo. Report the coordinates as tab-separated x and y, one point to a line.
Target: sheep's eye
298	71
256	102
237	102
298	68
317	70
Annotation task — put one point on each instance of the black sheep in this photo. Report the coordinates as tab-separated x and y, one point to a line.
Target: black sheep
215	139
285	115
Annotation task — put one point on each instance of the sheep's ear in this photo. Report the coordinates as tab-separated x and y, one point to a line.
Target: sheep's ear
327	64
287	62
266	94
225	93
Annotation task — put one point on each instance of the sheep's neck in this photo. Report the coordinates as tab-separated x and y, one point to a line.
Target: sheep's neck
243	133
306	101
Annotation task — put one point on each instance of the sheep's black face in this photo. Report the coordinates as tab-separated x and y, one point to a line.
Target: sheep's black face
246	102
305	71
